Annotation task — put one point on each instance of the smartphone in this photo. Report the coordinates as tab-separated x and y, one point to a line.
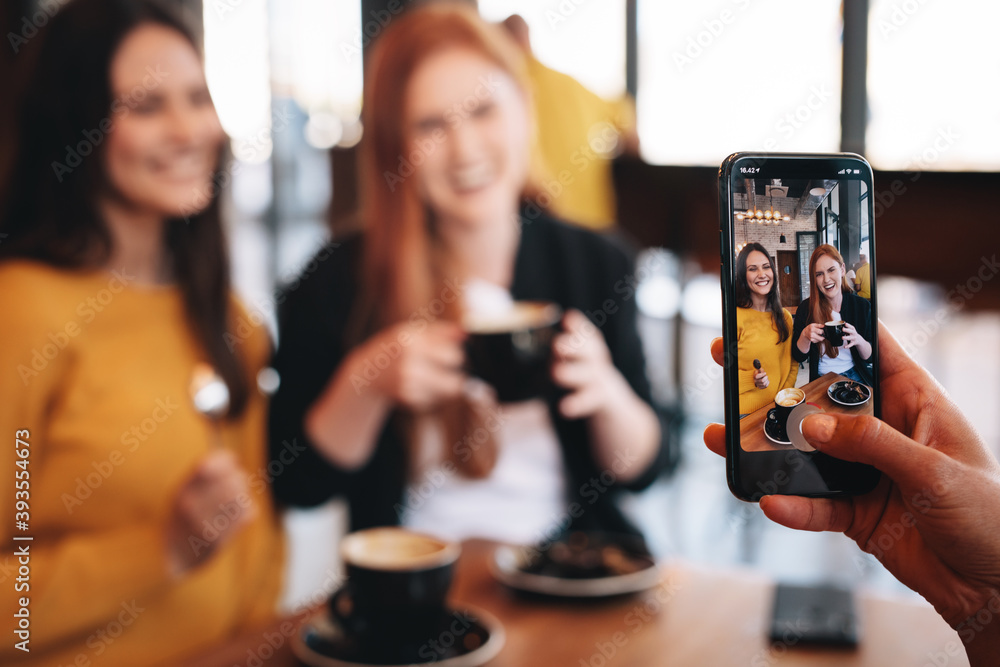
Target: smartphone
800	317
814	615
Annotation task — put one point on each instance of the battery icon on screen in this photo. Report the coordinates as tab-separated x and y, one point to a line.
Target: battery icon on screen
857	171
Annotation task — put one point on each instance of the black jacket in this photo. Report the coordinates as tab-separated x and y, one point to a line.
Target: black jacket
854	309
555	262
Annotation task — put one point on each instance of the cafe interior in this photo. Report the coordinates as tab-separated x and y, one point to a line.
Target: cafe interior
674	88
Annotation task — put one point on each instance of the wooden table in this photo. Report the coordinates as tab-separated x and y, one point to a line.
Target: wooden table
696	617
752	438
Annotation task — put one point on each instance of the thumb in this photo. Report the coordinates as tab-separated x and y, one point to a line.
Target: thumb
865	439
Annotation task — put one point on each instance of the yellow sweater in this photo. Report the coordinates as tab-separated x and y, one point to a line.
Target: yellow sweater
576	130
758	339
863	277
97	371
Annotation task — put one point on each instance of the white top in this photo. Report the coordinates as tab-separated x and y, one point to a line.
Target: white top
523	498
843	362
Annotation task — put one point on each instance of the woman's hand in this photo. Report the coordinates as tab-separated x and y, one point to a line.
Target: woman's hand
423	369
933	519
853	339
760	379
212	506
582	364
812	333
624	430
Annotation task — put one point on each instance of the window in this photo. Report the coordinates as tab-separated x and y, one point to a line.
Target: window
583	39
932	90
728	75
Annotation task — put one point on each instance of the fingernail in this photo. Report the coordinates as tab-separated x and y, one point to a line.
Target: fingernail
819	428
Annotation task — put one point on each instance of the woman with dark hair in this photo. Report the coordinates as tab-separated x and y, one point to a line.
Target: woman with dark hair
832	298
370	352
116	299
762	330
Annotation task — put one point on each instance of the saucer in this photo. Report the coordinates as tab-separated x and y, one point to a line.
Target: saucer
472	638
839	393
774	432
509	566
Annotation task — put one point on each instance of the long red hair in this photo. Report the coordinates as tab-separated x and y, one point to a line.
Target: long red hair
404	268
820	309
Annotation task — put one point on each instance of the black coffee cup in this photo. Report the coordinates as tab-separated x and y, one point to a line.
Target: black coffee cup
834	333
512	352
397	583
785	401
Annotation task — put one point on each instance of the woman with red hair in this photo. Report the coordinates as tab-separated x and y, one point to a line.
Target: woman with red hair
371	347
832	298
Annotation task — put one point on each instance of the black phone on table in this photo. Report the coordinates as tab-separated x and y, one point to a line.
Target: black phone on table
800	316
814	615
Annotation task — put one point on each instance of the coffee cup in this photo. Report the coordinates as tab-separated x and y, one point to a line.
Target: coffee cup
397	583
512	350
785	401
834	333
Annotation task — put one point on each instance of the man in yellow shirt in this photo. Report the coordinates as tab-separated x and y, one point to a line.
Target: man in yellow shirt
579	133
863	278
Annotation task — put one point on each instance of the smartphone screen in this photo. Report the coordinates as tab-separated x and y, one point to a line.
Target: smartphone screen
799	292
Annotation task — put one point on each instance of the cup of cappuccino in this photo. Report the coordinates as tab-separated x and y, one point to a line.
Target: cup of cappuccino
397	582
834	332
512	350
787	400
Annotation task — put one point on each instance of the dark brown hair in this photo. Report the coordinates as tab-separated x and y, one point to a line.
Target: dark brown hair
51	213
743	298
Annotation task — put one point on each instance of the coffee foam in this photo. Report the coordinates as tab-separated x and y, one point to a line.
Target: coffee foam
520	315
786	398
396	549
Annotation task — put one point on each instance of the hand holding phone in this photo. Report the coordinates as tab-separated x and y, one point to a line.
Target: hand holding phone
931	520
792	228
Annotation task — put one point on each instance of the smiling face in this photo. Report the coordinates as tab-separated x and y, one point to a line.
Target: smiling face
829	276
760	274
469	122
164	143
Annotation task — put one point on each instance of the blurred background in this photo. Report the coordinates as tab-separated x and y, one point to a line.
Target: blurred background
904	82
